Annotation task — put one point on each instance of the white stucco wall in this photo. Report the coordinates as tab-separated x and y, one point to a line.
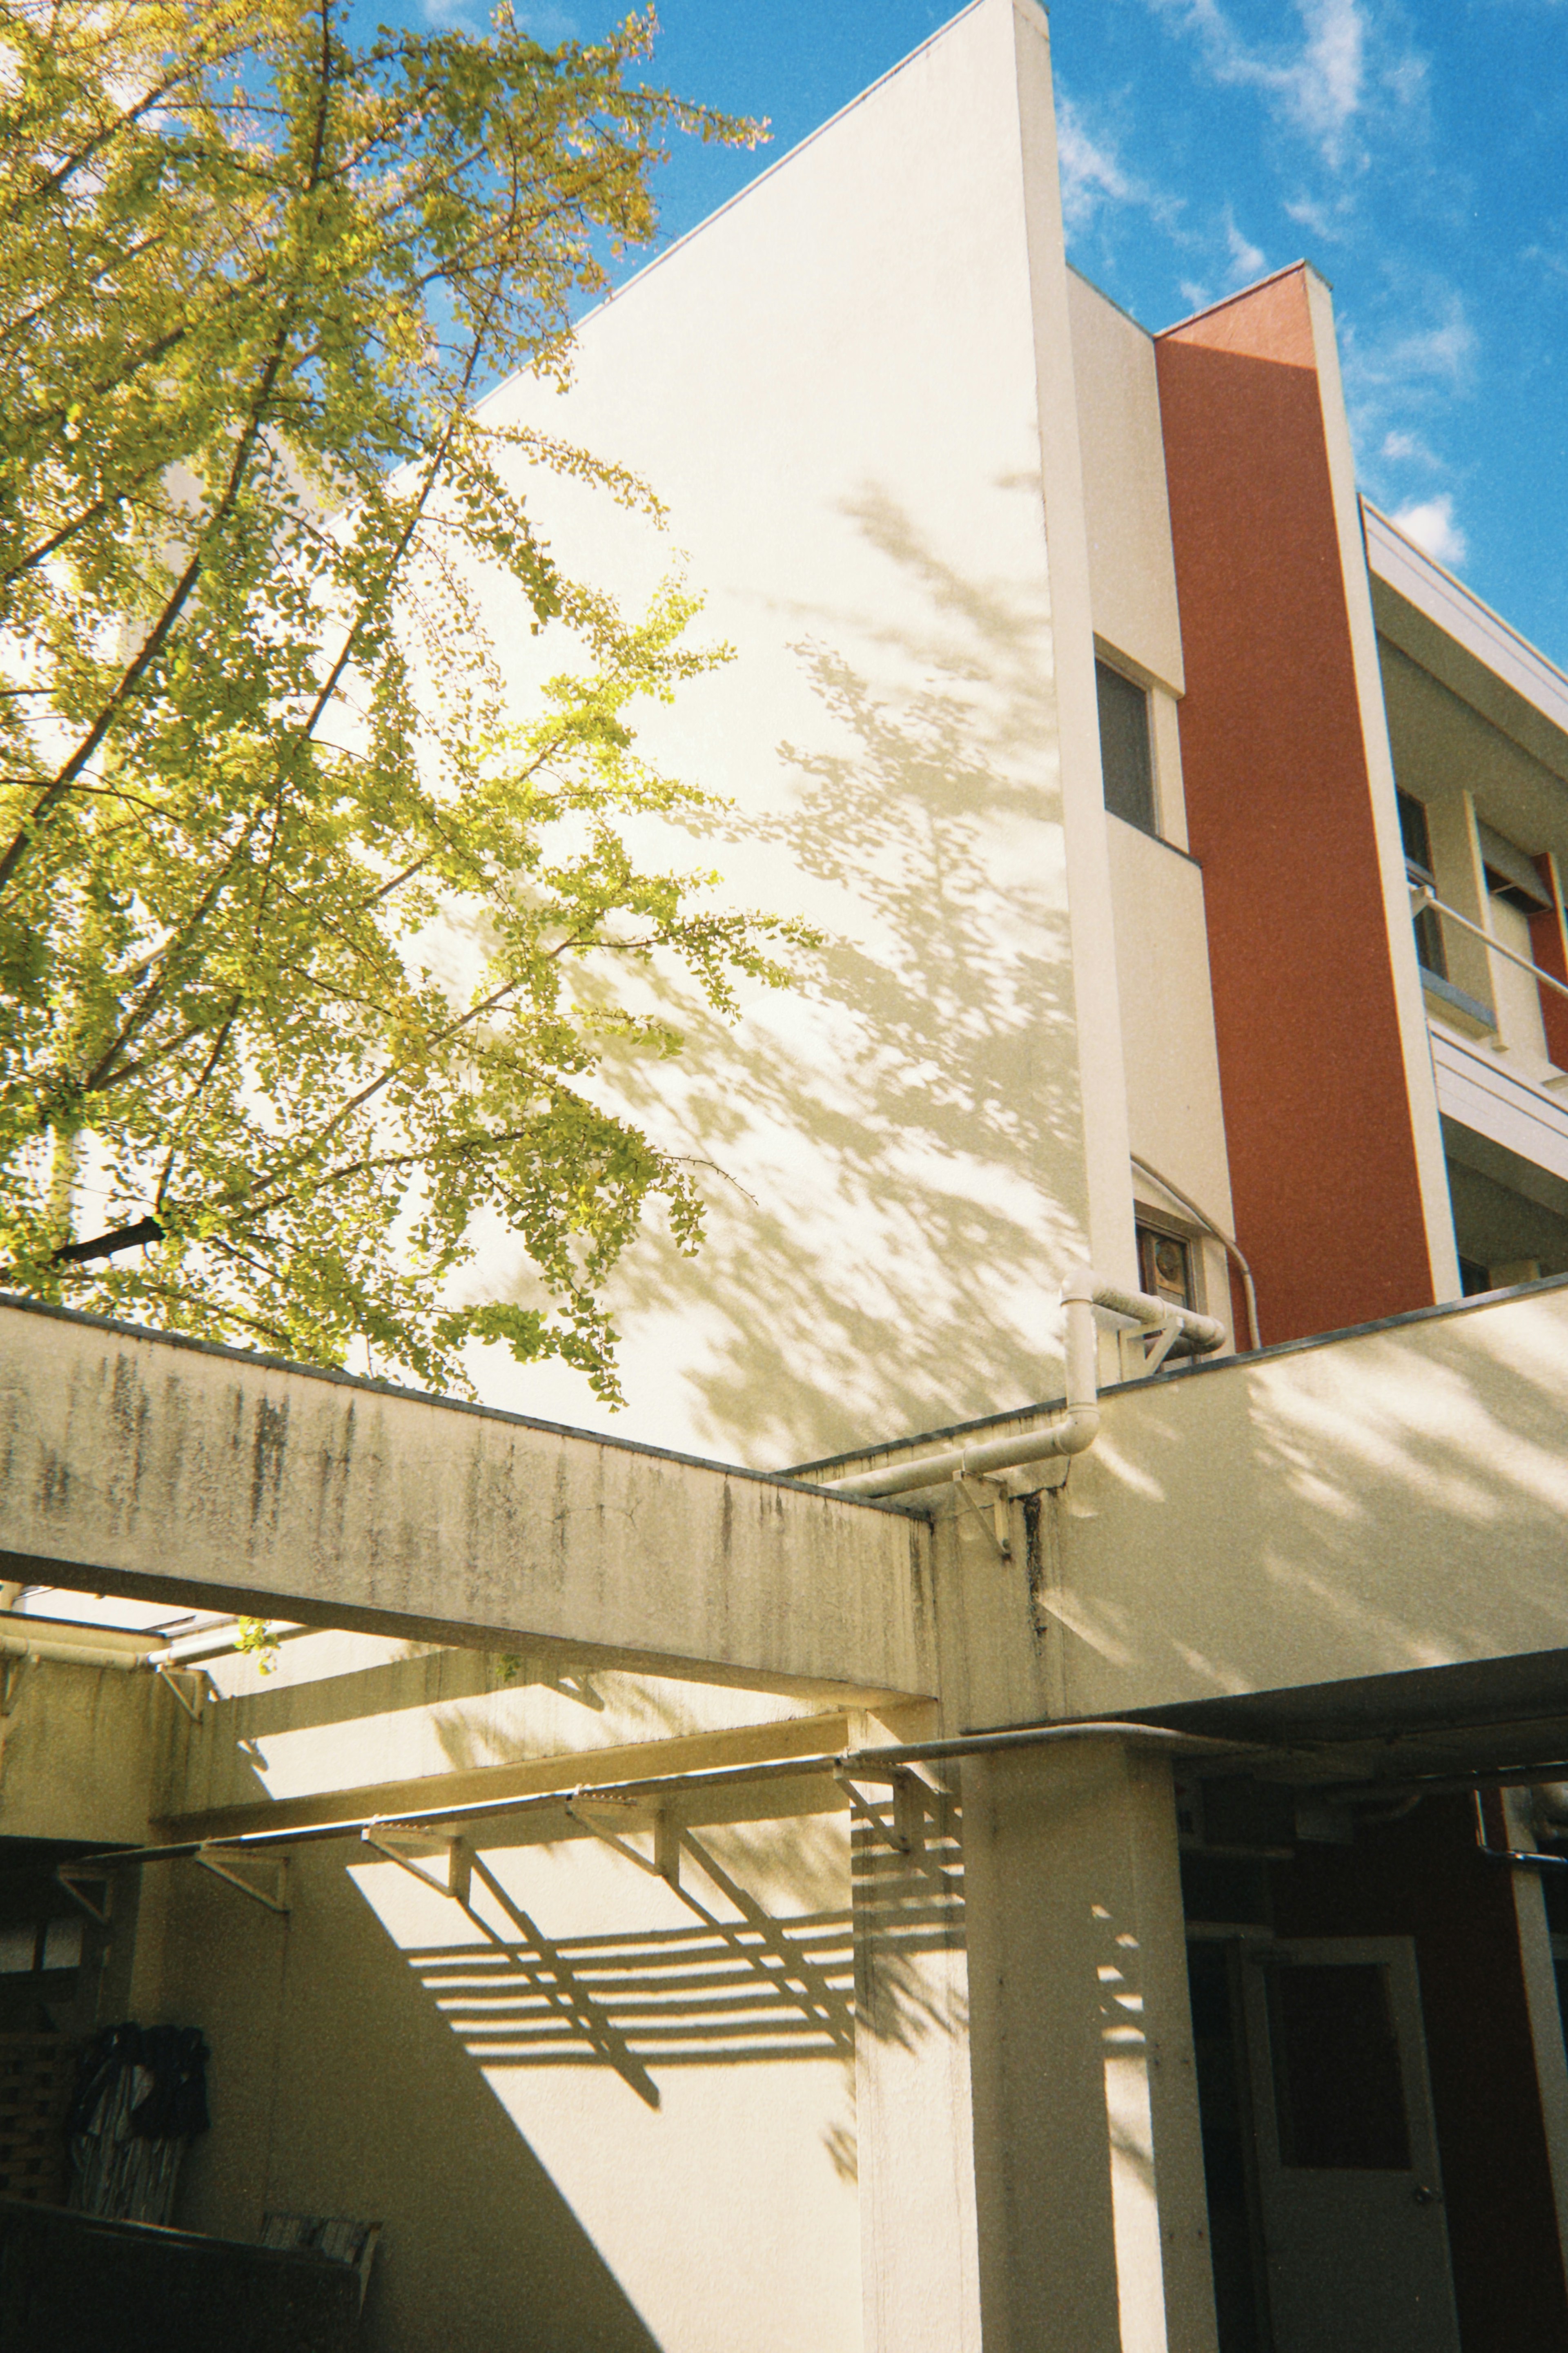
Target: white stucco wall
835	383
1174	1114
684	2182
1131	567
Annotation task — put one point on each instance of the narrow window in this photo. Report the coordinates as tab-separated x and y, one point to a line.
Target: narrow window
1417	841
1126	766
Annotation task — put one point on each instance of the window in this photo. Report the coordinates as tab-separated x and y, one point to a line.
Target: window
1338	2089
1513	875
1417	841
1165	1267
1126	762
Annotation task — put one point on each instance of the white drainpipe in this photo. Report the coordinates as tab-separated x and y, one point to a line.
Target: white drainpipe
1082	1293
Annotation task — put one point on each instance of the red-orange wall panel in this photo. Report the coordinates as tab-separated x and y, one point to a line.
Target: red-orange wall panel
1548	948
1323	1159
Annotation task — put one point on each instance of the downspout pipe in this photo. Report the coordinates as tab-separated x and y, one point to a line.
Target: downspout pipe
1078	1428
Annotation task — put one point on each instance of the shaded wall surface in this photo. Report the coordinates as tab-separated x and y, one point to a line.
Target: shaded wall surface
1426	1878
585	2114
1323	1167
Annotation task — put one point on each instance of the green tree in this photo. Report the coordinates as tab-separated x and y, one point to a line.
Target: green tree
259	768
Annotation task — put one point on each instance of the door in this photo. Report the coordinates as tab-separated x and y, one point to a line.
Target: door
1356	2248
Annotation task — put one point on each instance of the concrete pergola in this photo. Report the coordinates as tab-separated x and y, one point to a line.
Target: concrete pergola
1379	1509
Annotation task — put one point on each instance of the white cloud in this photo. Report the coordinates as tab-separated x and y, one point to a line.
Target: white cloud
1406	448
1432	526
1090	173
1553	264
1411	370
1246	260
1443	350
1323	82
550	26
1324	87
1407	362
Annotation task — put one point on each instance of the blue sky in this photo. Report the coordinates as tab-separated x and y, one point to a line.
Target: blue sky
1417	153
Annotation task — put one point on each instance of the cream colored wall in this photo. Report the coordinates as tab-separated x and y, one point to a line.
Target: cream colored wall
1131	567
687	2185
81	1752
1383	1503
1175	1118
853	387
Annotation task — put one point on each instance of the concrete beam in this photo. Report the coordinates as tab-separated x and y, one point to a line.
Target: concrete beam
171	1470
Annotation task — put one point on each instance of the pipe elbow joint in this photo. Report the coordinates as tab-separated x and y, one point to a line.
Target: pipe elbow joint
1077	1434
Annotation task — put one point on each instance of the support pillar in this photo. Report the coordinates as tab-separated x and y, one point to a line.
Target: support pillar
920	2288
1092	2220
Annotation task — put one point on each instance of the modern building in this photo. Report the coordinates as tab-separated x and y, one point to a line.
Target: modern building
1071	1861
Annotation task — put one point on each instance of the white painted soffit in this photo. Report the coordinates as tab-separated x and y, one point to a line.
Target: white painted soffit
1460	615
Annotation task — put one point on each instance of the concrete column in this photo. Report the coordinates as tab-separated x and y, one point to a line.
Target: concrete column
1542	2003
920	2279
1093	2226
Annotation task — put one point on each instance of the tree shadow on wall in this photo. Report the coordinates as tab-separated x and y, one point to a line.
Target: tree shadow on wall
909	1120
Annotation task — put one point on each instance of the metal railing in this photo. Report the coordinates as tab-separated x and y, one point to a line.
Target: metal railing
1421	900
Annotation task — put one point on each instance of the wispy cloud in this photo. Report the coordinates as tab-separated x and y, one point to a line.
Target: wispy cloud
1247	259
1432	526
1441	352
1401	448
548	25
1322	82
1551	261
1326	218
1414	360
1091	172
1412	369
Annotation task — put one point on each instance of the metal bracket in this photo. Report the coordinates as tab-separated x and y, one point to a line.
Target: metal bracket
632	1814
1158	1344
216	1862
74	1881
188	1688
907	1833
995	1494
404	1847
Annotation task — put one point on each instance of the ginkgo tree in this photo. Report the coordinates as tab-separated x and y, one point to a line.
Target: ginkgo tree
262	764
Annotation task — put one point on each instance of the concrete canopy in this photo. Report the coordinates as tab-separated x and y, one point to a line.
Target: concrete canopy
170	1470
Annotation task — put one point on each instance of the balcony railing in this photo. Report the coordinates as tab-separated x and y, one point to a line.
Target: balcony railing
1421	900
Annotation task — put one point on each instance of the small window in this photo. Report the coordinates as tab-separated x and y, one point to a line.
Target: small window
1338	2089
1126	763
1417	841
1165	1267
